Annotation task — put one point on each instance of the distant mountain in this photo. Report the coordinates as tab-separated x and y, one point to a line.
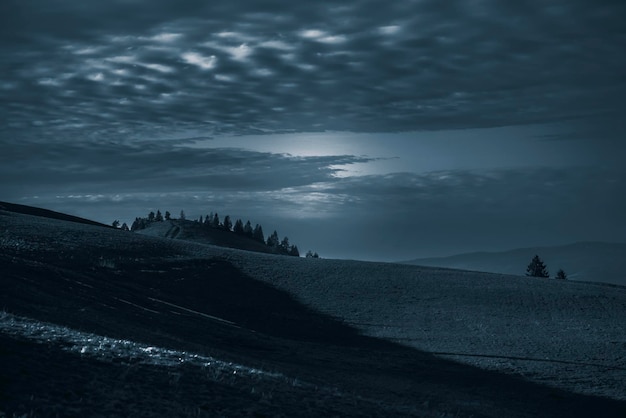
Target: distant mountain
584	261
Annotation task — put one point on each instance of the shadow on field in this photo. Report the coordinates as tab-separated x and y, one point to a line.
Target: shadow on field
208	306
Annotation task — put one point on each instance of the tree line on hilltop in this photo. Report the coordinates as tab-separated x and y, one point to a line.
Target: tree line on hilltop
213	221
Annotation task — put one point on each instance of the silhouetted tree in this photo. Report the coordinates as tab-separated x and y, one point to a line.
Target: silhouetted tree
139	223
285	246
216	221
273	240
228	224
238	228
537	268
115	224
257	234
247	229
560	275
168	215
124	227
151	217
182	215
293	251
158	217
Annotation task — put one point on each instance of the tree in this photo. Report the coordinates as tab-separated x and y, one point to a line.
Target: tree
537	268
158	217
115	224
151	217
285	246
182	215
168	215
125	227
216	221
228	224
257	234
238	228
293	251
311	254
560	275
247	229
273	240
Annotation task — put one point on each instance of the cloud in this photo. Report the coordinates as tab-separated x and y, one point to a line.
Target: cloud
368	66
386	216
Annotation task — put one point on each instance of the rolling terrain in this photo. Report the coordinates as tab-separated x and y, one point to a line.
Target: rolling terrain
102	322
583	261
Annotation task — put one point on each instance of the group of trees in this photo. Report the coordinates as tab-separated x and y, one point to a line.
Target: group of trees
279	246
537	268
238	227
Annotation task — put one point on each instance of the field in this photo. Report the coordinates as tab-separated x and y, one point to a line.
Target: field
101	322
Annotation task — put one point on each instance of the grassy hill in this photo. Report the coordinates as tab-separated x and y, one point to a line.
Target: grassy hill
102	322
195	232
583	261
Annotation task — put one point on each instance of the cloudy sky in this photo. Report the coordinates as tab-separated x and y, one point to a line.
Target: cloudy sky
369	129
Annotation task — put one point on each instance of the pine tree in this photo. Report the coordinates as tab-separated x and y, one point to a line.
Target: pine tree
228	224
115	224
151	217
168	215
293	251
238	228
258	234
158	217
285	246
537	268
125	227
216	221
247	229
273	240
182	215
560	275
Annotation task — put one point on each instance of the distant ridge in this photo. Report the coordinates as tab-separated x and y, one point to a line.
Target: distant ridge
46	213
582	261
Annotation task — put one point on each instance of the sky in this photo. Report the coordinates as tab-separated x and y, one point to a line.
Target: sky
370	129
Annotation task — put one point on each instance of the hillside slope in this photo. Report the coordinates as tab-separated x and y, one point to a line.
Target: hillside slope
583	261
272	335
194	232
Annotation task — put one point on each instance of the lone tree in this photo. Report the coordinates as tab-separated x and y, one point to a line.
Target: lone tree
560	275
537	268
168	215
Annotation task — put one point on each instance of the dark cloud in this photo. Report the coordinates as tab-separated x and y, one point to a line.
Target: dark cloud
154	167
103	70
101	103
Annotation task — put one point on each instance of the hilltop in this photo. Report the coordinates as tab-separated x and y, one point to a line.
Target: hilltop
192	231
584	261
99	321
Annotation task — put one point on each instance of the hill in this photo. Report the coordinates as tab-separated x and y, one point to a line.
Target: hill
99	321
583	261
30	210
195	232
